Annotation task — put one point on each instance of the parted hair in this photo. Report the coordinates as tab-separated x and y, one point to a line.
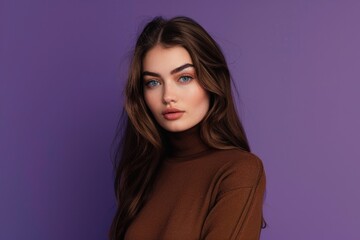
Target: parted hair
142	144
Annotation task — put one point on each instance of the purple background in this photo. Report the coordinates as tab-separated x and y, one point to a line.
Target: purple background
62	65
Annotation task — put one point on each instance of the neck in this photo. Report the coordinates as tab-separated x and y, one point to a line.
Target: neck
186	144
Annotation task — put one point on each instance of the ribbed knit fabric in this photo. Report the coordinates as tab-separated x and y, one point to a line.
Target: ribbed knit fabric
203	193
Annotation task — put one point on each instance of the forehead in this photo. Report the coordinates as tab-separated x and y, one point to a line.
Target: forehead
164	59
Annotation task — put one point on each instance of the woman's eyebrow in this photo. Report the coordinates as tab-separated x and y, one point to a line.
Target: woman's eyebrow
176	70
182	67
150	74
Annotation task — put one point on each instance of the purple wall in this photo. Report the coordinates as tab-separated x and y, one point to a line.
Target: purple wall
296	66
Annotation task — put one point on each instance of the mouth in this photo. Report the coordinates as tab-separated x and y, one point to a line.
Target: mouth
172	114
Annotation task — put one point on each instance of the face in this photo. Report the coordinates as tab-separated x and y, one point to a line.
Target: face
171	88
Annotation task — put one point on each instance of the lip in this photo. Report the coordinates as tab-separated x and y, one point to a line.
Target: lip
172	113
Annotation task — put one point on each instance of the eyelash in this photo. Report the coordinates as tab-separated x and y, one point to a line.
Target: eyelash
186	76
150	82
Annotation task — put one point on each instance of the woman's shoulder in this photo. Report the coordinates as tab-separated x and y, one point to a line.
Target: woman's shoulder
240	160
240	168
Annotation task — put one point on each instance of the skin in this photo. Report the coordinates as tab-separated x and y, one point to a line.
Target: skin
170	81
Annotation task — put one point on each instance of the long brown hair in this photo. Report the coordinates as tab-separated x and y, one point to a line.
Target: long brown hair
139	154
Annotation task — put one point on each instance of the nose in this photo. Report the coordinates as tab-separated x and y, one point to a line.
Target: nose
169	93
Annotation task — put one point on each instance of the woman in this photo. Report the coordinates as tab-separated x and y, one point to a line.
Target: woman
185	169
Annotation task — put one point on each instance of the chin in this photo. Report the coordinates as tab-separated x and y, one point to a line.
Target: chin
177	126
174	128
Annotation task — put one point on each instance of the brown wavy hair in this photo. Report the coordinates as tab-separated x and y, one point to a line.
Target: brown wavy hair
139	153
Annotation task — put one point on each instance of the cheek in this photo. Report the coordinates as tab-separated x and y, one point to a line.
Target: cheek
201	101
150	100
205	102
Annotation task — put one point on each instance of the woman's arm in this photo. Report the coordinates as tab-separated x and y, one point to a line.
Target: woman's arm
237	211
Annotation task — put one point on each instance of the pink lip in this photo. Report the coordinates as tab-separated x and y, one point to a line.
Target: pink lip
172	113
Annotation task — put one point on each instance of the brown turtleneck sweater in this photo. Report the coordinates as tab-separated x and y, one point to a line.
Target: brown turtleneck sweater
203	193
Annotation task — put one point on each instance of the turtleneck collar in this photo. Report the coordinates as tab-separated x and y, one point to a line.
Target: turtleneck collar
186	144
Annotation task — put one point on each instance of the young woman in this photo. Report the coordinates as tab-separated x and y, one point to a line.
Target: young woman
184	169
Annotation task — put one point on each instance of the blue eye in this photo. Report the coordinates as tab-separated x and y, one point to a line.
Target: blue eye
185	79
152	83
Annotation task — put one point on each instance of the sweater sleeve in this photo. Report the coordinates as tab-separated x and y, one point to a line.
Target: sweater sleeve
237	211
